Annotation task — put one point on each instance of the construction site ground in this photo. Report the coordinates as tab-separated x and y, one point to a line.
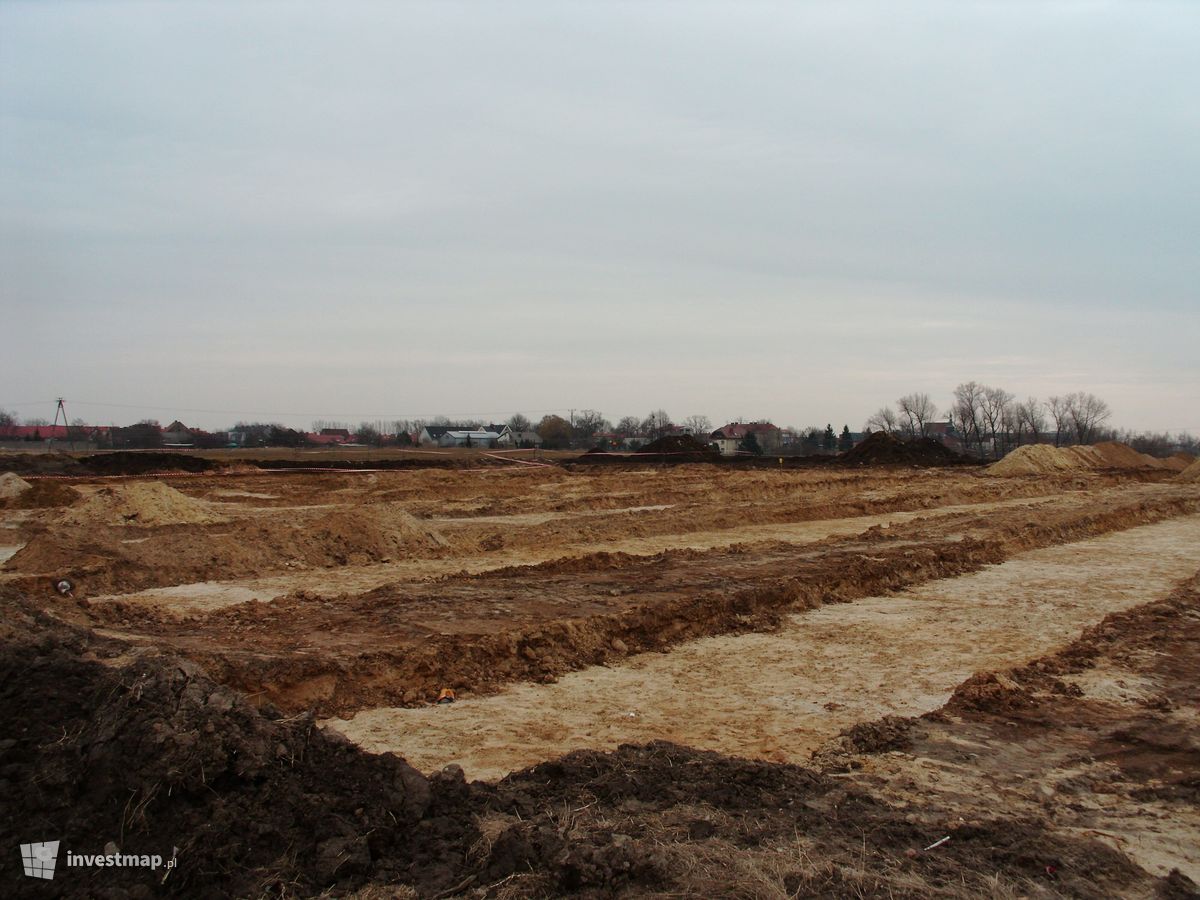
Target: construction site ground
880	656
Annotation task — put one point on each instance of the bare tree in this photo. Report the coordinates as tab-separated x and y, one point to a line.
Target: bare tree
992	407
629	426
968	400
656	424
518	422
1060	411
587	423
917	411
1031	419
884	419
1086	413
698	425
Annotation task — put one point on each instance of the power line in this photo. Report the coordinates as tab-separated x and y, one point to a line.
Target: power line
315	415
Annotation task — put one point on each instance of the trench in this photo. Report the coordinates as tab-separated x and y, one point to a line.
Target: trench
780	695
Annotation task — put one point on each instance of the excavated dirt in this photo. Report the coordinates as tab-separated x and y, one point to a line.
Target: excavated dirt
401	644
12	486
1043	459
885	449
271	525
153	724
142	504
1190	475
1039	788
43	495
696	449
778	695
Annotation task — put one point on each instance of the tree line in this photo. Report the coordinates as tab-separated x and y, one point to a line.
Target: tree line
991	421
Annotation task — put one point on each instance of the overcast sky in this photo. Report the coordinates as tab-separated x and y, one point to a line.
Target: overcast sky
794	211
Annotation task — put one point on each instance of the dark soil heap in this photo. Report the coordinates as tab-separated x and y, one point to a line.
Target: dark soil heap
152	755
42	495
676	444
882	449
99	745
142	463
121	462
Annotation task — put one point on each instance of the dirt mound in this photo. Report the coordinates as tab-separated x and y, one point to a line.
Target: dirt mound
1043	459
679	443
12	486
43	495
152	754
1190	475
40	463
882	449
139	462
146	504
372	532
91	541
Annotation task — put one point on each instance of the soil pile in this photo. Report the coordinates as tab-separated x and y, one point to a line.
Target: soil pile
148	504
152	754
1043	459
125	462
12	486
372	532
1180	460
882	449
91	541
1190	475
679	443
42	495
40	464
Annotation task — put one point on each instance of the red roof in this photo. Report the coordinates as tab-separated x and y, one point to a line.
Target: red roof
314	438
740	429
44	432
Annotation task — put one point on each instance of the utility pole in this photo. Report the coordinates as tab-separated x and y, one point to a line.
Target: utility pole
66	424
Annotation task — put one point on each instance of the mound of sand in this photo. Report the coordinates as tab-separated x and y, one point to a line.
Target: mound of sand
380	529
148	504
1190	475
1043	459
1179	461
12	486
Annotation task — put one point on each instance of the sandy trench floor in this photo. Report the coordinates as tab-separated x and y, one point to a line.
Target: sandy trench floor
210	595
779	695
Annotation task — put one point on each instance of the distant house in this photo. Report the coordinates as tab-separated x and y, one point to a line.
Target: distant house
320	439
342	434
729	437
178	435
34	433
431	435
510	438
469	438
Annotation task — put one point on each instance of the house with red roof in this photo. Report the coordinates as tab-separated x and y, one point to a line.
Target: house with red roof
728	438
